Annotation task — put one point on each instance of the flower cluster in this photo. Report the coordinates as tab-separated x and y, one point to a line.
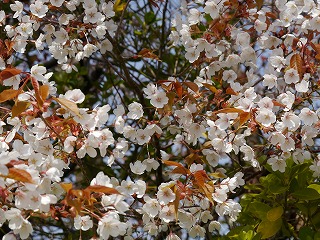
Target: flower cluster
68	36
284	117
250	105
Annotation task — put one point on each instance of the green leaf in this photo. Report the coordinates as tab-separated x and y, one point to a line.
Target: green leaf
306	194
315	187
303	208
149	17
317	236
253	187
304	178
70	236
299	169
306	233
294	185
275	213
316	220
245	235
248	235
274	183
118	6
290	163
269	229
286	231
238	232
257	237
137	32
259	209
312	207
277	189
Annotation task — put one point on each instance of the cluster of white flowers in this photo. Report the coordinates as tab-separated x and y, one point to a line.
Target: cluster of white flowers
69	36
38	143
42	162
278	115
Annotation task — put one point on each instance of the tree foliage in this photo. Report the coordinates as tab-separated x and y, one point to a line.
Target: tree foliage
160	119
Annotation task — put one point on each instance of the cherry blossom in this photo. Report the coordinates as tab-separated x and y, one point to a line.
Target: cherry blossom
138	167
171	139
159	99
277	164
38	9
135	110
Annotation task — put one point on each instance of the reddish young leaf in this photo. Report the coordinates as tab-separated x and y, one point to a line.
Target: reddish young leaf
19	107
77	193
44	92
259	4
6	48
41	93
172	163
8	73
180	170
191	158
208	190
200	178
14	162
8	95
102	189
276	103
243	118
20	175
66	186
315	46
297	63
72	201
153	3
176	201
230	110
194	87
71	106
210	87
147	53
87	193
295	43
179	89
87	196
164	81
74	198
168	106
271	15
230	91
9	45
